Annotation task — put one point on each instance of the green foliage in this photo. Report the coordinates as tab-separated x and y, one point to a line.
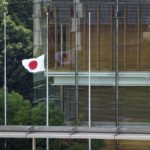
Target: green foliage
83	144
18	109
3	7
1	107
21	12
20	112
97	144
78	146
38	115
19	144
56	116
55	144
19	45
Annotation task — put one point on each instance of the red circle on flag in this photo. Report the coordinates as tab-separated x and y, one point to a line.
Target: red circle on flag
33	64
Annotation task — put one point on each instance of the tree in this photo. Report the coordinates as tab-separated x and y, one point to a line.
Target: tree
21	12
18	113
19	45
21	112
79	146
83	144
18	109
38	115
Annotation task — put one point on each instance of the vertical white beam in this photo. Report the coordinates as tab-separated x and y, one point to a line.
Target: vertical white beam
47	87
47	81
5	78
89	76
33	144
47	143
89	87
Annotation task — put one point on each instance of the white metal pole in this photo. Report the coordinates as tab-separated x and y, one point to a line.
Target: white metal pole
5	78
61	27
33	144
89	89
47	87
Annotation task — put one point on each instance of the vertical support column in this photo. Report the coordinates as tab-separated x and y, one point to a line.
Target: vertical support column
117	144
70	38
55	64
124	38
117	68
138	28
84	38
37	34
98	39
89	69
89	87
111	38
117	62
33	144
76	58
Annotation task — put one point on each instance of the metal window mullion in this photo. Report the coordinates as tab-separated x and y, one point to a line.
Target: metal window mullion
76	59
117	62
139	36
124	38
61	41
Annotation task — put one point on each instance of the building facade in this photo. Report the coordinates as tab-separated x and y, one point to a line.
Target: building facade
120	61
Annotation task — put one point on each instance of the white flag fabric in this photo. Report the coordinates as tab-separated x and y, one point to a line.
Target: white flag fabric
34	65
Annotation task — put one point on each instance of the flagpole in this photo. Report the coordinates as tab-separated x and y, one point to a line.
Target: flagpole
47	87
89	77
5	81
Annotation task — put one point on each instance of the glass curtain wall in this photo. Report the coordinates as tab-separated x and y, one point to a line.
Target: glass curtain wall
134	56
119	87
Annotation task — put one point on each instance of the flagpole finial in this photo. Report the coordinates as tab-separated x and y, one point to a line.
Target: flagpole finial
5	13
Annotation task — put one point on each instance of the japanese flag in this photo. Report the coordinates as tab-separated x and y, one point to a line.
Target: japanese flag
34	65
